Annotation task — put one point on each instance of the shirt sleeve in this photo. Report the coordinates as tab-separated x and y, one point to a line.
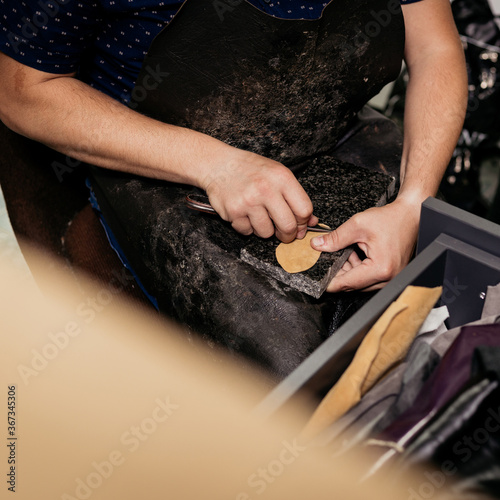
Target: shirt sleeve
48	35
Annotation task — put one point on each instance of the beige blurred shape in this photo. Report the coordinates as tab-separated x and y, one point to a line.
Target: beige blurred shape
111	403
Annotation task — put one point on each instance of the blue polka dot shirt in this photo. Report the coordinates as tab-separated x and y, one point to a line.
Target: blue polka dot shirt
104	41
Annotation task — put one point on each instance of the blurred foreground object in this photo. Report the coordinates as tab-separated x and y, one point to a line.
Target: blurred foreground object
107	403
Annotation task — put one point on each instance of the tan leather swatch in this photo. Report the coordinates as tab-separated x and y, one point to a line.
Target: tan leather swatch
384	346
298	255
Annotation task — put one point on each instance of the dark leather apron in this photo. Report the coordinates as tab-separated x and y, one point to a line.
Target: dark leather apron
286	89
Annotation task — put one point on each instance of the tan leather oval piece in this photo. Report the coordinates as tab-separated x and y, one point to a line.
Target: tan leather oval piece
298	255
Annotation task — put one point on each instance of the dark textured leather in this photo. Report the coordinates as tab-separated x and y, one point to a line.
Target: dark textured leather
285	89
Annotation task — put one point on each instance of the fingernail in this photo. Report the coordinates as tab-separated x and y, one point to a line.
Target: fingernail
301	233
319	241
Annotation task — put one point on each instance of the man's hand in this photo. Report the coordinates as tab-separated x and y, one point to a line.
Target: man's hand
258	195
386	235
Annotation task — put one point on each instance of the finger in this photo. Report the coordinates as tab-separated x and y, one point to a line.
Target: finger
378	286
242	225
346	267
354	259
372	288
261	223
301	231
364	276
284	220
301	206
298	200
302	227
313	221
345	235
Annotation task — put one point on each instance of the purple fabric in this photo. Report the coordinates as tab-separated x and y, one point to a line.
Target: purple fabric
446	382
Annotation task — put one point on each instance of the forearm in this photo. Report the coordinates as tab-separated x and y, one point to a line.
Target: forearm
434	113
435	108
256	194
84	123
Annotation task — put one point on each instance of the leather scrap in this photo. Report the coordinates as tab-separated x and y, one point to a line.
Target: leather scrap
298	255
383	347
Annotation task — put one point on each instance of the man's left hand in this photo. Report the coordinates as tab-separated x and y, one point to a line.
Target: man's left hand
386	235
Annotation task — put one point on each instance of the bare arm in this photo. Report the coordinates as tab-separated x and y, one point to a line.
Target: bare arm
435	108
254	193
436	98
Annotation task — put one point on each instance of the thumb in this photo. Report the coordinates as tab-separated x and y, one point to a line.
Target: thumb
344	236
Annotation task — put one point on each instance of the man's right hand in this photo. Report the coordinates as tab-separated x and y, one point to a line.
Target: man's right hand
258	195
